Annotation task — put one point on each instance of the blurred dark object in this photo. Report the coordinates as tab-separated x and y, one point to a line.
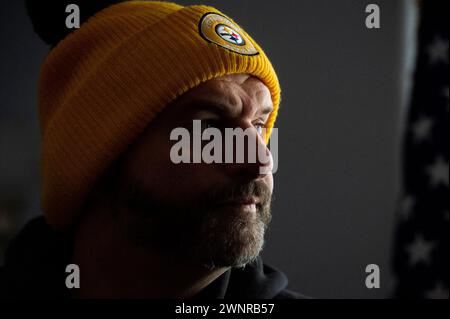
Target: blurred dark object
12	205
421	247
48	16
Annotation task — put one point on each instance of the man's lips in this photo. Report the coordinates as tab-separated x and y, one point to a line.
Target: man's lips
242	201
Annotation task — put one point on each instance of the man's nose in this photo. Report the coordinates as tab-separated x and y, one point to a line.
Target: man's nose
253	160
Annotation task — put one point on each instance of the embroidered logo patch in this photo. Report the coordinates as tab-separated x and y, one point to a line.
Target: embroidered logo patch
220	30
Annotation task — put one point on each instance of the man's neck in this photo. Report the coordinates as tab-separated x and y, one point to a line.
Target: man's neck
113	267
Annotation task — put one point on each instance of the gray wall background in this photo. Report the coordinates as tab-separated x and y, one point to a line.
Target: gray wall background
339	131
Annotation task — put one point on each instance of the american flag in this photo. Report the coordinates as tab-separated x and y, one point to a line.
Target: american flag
421	244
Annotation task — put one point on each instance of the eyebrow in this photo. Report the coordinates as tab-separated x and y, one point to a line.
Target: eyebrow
201	104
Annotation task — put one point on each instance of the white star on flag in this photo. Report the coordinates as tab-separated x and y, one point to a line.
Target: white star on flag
422	129
420	250
438	172
438	50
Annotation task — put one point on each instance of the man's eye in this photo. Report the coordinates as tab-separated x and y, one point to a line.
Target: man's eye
259	128
209	124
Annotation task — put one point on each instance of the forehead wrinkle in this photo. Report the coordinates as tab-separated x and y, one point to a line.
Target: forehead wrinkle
243	98
255	103
259	94
226	93
229	92
218	95
264	101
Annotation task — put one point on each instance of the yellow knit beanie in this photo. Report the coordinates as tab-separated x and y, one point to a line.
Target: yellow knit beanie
104	83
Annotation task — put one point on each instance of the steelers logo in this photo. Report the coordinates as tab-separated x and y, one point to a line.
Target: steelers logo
221	31
229	34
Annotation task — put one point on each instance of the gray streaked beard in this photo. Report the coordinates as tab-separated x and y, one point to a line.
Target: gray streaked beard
209	234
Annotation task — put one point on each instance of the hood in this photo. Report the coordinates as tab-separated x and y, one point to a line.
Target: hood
35	262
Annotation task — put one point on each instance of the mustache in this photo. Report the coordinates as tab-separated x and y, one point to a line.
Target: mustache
235	192
142	202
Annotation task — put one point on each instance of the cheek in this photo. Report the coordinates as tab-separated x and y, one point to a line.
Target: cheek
187	183
149	165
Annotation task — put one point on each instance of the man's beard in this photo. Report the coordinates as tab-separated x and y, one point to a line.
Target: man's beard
205	233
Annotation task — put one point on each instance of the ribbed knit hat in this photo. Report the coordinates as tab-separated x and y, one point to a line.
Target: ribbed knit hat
103	84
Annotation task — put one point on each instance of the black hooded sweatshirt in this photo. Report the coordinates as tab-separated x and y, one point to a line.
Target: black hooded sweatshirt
37	257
